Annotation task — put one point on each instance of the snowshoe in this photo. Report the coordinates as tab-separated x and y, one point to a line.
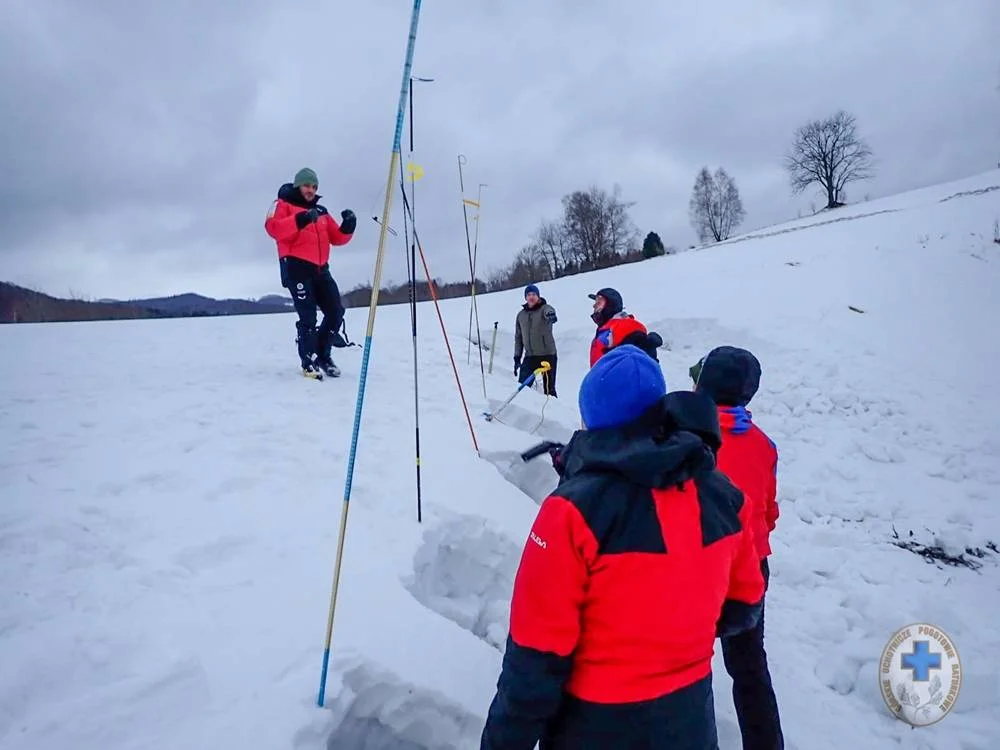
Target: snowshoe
311	370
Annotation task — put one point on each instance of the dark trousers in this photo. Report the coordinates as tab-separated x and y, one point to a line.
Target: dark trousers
753	695
530	364
313	287
682	720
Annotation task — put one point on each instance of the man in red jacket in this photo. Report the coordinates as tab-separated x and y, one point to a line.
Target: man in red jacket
634	565
304	232
616	327
730	376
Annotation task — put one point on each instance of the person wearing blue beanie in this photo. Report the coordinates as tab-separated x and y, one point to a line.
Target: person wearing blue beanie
620	386
534	341
642	535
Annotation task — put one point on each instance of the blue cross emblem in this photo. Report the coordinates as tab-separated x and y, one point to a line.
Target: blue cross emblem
921	661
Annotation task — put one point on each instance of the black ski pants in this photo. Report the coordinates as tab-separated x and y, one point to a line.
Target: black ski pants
753	695
530	364
313	287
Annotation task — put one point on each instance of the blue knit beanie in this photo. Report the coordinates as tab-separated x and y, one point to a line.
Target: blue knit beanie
620	386
531	288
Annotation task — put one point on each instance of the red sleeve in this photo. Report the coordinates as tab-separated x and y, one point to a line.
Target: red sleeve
280	221
333	232
746	582
771	497
552	578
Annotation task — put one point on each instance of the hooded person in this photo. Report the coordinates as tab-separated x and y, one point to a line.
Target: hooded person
533	339
616	327
304	231
730	376
634	565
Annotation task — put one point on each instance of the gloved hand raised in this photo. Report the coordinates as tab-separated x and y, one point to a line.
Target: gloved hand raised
305	218
348	221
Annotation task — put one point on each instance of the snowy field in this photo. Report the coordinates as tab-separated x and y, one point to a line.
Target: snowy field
171	494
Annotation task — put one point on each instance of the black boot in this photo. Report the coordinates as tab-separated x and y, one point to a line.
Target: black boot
306	342
325	362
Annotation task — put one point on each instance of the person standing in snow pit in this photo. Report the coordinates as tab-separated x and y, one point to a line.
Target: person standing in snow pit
616	327
730	376
304	231
533	339
634	565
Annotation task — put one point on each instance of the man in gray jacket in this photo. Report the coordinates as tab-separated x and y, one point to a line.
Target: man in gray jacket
534	340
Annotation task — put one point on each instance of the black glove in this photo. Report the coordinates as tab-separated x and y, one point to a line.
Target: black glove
648	342
555	453
517	367
348	221
538	449
304	218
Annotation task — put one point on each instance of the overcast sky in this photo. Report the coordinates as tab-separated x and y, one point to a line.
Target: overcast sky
141	143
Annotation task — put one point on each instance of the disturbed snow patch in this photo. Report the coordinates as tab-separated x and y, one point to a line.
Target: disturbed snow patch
535	478
464	571
531	422
376	710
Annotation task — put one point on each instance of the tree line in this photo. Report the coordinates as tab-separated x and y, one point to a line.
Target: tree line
595	229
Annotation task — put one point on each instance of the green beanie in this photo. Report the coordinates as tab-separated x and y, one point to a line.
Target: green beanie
305	176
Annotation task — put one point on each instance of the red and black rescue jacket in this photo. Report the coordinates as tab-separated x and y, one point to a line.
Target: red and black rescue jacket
613	333
312	242
635	564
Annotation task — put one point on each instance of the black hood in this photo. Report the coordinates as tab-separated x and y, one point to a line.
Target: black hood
730	376
674	440
613	304
291	194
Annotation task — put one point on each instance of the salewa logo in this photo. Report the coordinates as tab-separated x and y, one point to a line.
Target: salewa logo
538	540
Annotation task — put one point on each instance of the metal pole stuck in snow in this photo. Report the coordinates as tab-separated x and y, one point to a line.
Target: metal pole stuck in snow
372	307
493	344
444	330
411	267
468	242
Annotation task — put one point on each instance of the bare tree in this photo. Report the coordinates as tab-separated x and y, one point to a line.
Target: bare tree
597	230
551	241
715	208
831	154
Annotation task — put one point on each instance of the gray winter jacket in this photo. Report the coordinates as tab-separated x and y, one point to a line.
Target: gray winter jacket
533	331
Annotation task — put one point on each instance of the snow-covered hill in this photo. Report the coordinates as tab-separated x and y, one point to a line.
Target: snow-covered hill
171	494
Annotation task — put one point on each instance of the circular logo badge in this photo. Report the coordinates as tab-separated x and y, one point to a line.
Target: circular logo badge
920	674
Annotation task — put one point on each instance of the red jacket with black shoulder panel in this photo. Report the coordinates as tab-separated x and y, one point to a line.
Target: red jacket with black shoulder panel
635	564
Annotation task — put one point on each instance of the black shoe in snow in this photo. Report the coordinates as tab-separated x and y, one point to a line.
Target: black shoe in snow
328	367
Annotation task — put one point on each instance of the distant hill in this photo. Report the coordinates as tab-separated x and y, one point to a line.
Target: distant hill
184	305
276	299
21	305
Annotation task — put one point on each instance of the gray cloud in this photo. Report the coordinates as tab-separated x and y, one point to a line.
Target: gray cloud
142	143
